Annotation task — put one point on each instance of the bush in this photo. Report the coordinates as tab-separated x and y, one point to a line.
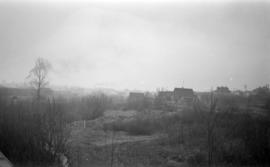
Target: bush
133	127
94	106
31	132
197	158
233	151
246	138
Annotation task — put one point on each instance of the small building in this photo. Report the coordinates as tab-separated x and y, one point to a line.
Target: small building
183	95
176	100
180	93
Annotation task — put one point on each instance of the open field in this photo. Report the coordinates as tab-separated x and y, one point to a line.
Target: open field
101	142
89	131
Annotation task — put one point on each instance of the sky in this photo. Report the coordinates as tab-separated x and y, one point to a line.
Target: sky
137	44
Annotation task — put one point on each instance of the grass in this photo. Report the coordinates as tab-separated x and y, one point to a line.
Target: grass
144	124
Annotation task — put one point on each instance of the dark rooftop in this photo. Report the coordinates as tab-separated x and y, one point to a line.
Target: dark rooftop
183	92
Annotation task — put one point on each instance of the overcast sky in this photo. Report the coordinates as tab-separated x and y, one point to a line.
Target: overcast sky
138	45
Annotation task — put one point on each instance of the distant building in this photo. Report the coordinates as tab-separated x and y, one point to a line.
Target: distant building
222	90
175	100
183	95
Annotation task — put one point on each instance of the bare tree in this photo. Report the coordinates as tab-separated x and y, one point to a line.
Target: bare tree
211	125
210	117
38	75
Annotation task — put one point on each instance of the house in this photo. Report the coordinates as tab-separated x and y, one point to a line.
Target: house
180	93
183	95
177	99
4	162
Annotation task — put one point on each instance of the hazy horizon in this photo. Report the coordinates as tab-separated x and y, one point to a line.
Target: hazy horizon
139	45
